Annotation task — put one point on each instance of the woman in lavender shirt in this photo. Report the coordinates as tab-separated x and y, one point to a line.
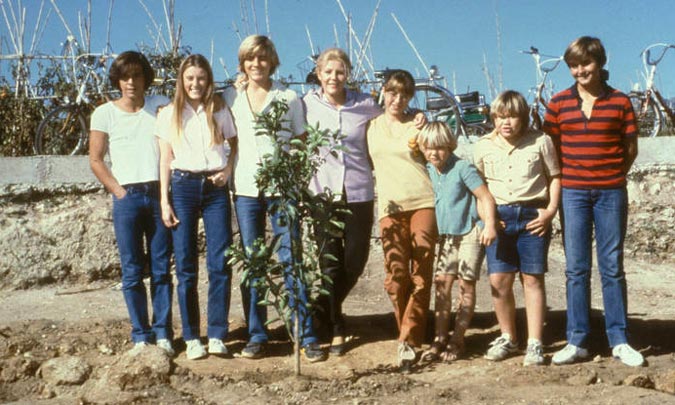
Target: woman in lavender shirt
347	174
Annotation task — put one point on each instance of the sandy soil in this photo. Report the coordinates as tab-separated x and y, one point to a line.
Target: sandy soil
89	321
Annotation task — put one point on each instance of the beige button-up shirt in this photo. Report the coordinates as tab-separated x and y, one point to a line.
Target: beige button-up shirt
517	173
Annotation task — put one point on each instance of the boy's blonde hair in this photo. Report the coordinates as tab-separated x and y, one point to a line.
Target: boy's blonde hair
437	134
258	45
511	103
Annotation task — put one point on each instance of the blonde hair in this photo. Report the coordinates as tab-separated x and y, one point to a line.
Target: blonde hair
511	103
334	54
211	102
258	45
437	134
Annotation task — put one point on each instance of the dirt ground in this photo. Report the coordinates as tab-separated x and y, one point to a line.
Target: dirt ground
89	321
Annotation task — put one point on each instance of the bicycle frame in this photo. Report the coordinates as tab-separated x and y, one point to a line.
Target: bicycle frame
544	67
650	108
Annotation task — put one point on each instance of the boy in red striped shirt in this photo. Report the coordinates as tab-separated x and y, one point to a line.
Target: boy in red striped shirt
593	128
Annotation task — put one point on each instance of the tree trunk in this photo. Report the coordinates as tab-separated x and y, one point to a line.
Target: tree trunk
296	344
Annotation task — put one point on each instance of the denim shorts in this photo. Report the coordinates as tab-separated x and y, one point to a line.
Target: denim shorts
516	249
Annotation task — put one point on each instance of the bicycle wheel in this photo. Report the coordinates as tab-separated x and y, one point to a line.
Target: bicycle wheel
63	131
438	104
647	115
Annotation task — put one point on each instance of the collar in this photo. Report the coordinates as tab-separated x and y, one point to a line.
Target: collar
604	94
350	98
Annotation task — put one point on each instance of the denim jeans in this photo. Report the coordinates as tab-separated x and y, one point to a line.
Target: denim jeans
608	211
137	220
194	195
251	213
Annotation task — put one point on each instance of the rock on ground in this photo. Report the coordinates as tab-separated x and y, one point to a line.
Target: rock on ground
67	370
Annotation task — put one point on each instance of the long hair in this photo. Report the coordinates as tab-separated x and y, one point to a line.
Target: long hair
211	102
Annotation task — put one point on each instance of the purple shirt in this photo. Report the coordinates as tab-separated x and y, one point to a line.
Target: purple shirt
349	170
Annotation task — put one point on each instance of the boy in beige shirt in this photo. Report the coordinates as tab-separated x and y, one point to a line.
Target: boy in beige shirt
522	173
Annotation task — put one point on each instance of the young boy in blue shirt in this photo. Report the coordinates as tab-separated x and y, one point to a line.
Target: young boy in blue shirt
457	184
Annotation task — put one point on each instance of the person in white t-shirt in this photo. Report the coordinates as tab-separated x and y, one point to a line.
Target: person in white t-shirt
258	60
124	129
198	142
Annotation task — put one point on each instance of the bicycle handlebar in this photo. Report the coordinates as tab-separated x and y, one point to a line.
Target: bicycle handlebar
646	53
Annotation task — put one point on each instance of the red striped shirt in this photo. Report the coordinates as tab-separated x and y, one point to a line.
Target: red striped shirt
591	151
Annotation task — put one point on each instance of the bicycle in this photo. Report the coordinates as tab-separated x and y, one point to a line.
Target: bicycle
467	114
652	113
64	130
544	67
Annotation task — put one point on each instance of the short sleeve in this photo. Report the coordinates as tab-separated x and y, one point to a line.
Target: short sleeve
478	155
629	128
100	119
163	123
550	156
551	125
226	123
471	177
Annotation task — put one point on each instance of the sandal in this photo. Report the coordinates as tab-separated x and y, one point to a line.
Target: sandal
434	352
452	352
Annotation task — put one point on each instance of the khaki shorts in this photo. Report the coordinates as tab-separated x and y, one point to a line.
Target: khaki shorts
461	255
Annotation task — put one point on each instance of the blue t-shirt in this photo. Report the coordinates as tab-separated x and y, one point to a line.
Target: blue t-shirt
456	211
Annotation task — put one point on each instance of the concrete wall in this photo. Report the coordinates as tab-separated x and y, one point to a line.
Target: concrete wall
60	170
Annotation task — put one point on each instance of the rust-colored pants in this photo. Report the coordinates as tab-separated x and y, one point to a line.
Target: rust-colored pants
408	240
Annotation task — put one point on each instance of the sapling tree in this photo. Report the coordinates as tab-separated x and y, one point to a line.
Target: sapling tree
285	173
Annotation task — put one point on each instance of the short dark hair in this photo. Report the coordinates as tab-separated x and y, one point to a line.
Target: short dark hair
400	81
122	65
585	49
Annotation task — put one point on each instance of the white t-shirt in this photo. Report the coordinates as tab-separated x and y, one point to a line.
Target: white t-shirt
134	151
252	147
193	151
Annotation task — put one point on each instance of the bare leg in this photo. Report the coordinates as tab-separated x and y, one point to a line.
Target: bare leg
534	290
467	304
505	304
443	308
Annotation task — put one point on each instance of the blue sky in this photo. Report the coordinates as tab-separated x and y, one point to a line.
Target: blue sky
454	35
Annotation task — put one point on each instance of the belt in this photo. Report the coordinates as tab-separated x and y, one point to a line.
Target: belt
147	187
195	175
529	204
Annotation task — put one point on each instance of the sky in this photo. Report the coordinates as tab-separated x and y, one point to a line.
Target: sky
459	37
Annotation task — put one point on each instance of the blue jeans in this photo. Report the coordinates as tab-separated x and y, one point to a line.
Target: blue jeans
137	220
608	211
251	213
194	195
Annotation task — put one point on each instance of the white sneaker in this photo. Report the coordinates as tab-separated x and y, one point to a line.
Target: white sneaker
195	350
138	347
534	355
628	355
569	354
501	348
217	347
165	344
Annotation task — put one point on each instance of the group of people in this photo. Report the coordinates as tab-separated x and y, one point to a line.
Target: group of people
434	209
